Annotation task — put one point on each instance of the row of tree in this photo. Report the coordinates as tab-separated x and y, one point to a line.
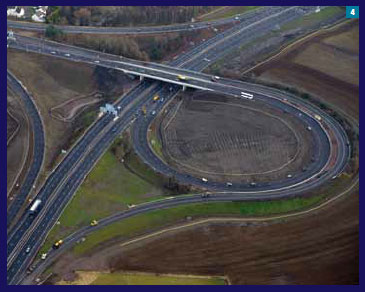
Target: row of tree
124	15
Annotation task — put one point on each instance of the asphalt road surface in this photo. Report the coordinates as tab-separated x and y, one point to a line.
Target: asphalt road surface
40	27
32	231
38	147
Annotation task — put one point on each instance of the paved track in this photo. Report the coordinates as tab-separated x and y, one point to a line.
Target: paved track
40	27
79	162
38	147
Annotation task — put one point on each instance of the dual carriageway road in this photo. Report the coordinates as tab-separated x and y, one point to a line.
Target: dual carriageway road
58	191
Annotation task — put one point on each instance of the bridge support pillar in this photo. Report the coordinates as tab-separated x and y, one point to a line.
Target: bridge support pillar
141	78
184	88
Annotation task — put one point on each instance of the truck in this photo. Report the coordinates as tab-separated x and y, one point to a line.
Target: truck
33	209
246	95
156	98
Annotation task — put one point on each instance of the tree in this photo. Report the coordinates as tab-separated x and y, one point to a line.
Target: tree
53	32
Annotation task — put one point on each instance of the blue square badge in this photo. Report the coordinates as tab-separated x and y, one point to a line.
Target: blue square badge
352	11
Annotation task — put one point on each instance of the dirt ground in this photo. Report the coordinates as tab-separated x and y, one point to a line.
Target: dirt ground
52	82
319	248
322	66
11	126
17	148
228	139
68	110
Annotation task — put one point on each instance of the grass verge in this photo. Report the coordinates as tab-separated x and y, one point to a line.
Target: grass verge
106	278
159	218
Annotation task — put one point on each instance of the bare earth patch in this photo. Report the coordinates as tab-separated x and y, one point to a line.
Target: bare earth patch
226	139
17	148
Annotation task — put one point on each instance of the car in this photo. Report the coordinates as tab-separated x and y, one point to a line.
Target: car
94	223
67	55
205	195
204	180
57	244
192	26
229	184
289	176
206	60
53	53
97	61
28	249
153	113
236	18
309	128
43	256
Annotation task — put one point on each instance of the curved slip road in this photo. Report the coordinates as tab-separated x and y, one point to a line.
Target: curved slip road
38	147
34	234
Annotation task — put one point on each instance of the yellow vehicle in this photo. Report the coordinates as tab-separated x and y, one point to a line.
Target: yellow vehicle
318	117
156	97
94	223
144	110
57	244
182	77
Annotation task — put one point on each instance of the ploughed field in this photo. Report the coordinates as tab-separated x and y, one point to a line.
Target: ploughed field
230	139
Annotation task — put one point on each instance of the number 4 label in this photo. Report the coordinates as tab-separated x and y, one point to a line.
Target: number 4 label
352	11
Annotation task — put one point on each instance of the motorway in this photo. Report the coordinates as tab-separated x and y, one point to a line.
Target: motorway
63	182
38	147
213	49
40	27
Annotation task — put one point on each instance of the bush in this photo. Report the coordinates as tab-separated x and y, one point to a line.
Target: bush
53	32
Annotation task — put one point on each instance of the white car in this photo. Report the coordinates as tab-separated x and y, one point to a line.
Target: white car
97	61
53	53
229	184
43	256
67	55
28	249
204	180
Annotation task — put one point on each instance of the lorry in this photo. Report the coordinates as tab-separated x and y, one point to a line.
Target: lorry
33	209
246	95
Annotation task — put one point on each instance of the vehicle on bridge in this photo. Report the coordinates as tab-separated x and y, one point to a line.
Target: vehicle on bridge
156	98
182	77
